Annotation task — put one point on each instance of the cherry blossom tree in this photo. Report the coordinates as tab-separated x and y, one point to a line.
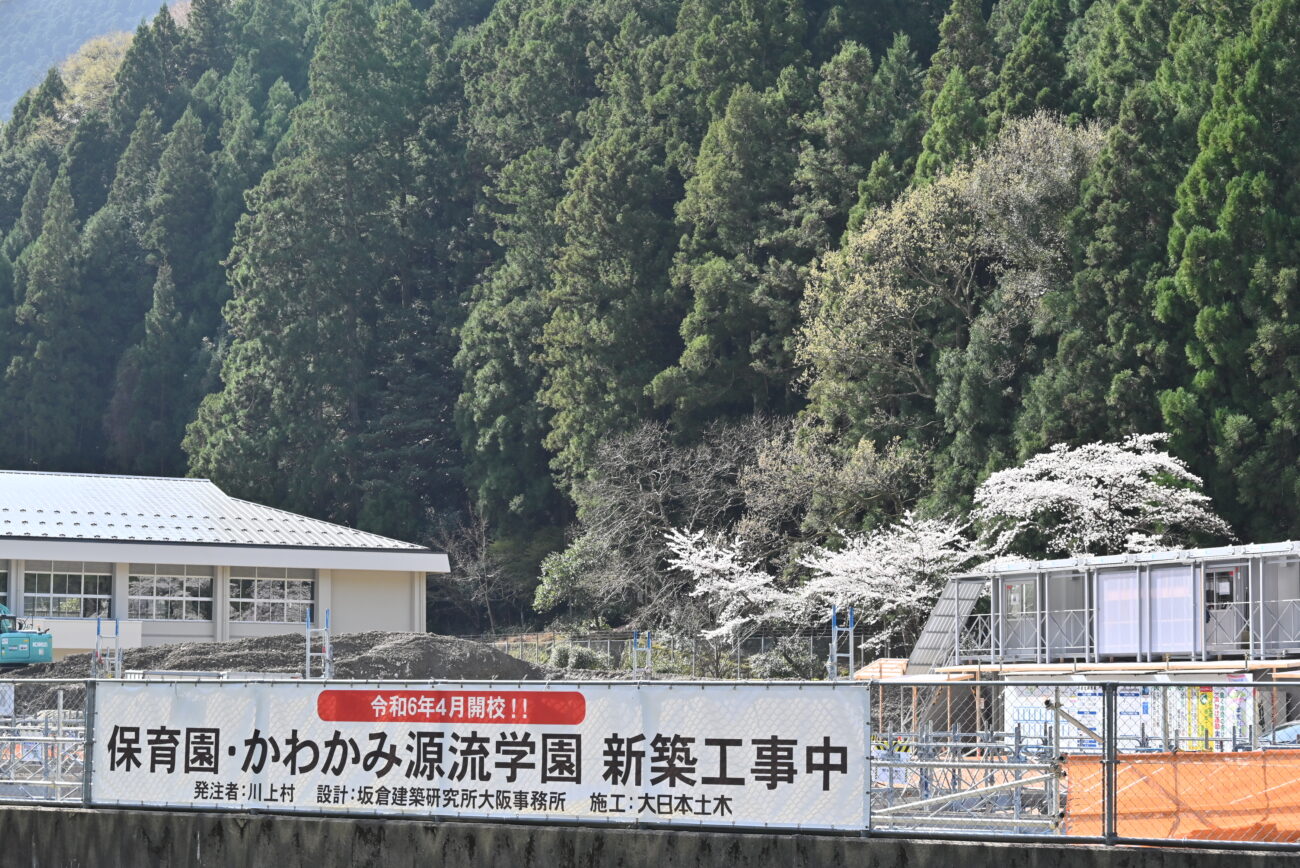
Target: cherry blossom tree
891	576
734	596
1101	498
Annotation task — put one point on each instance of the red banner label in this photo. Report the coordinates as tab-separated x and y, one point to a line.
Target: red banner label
507	707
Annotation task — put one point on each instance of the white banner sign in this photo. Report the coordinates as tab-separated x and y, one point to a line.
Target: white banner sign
745	755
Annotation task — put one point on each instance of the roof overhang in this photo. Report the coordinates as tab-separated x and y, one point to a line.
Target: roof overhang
1004	566
219	555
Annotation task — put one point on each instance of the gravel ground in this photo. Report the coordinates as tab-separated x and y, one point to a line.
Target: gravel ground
375	655
365	656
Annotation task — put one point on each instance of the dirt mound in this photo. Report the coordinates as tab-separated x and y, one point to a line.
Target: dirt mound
371	656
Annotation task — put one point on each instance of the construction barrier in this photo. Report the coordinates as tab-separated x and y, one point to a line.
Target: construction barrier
1243	796
721	754
1032	760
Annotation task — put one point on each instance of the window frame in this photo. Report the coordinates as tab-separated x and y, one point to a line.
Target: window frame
183	573
253	590
35	571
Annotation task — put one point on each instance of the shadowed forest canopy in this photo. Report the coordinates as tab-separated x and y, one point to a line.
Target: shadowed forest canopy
540	281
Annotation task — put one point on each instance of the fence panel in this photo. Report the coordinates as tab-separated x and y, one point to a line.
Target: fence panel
42	741
1153	762
754	755
965	757
1200	763
777	655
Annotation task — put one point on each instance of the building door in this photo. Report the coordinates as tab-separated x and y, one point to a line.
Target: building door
1020	621
1227	621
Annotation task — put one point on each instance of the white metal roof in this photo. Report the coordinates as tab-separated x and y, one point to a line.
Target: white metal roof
142	509
1014	565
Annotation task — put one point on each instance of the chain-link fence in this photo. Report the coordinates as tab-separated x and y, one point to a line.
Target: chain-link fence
1067	760
1150	762
42	740
769	655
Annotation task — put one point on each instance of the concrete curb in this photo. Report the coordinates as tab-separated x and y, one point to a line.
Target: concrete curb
102	838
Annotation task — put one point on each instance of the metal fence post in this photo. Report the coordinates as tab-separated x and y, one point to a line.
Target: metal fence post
866	760
1109	794
88	746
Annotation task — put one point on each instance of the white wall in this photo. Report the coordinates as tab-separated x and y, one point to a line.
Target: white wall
357	599
77	635
372	600
169	632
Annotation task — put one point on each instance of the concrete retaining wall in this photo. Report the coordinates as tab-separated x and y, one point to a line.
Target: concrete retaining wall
74	838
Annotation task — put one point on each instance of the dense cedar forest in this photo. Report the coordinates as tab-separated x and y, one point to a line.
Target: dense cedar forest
539	280
39	33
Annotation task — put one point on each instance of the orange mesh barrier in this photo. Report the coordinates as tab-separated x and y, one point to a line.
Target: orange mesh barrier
1246	796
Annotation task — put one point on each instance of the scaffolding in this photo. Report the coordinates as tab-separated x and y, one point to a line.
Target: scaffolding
106	661
320	651
842	634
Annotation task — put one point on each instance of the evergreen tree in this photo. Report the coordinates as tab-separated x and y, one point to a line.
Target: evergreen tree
740	271
117	276
848	126
612	314
964	44
331	240
181	229
90	158
148	410
1033	76
151	75
159	384
55	427
716	46
1234	242
895	99
956	127
7	325
1110	349
278	35
527	73
502	425
883	182
1128	48
37	109
32	217
1004	25
207	37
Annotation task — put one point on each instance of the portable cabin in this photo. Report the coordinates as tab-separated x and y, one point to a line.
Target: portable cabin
1192	604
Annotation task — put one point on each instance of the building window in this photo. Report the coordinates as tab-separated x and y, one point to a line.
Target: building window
270	595
4	587
67	589
169	592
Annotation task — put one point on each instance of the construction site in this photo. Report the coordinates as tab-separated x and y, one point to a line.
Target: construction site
1009	721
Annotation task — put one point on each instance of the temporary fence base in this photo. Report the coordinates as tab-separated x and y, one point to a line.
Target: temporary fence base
124	838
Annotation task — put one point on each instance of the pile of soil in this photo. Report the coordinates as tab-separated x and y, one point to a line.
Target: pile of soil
370	656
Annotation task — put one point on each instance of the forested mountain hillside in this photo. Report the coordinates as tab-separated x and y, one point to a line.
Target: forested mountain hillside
557	276
37	34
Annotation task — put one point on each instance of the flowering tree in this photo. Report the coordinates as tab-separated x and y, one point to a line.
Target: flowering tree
1101	498
891	576
733	594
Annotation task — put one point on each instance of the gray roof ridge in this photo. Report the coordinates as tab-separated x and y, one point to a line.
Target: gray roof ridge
111	476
